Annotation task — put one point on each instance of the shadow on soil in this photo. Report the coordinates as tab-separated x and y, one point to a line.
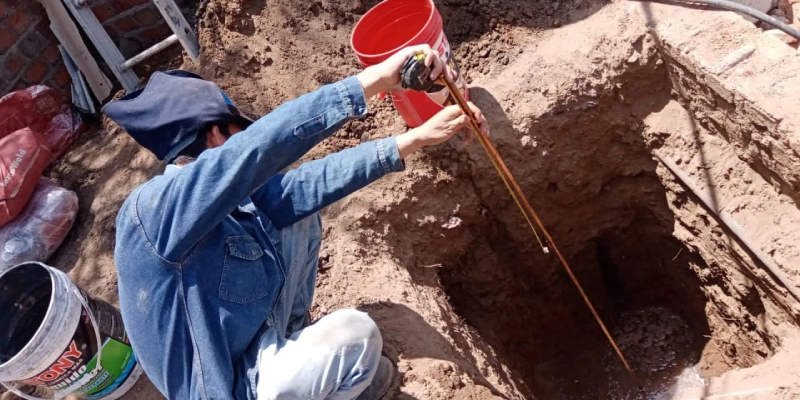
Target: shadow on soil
283	49
102	167
407	334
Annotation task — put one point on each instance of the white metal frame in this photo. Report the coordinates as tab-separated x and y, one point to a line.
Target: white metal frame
113	57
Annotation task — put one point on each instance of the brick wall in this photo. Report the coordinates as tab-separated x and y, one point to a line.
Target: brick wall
28	49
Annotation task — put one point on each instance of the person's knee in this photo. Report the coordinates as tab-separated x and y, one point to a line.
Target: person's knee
339	348
348	327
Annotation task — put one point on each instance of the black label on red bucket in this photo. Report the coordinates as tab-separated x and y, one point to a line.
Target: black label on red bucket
438	92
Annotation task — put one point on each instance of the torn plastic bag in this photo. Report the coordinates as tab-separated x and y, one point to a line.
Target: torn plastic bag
41	227
46	112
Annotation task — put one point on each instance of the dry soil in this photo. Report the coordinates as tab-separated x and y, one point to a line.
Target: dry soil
583	101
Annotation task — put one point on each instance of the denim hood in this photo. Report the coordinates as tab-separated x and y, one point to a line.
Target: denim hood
167	115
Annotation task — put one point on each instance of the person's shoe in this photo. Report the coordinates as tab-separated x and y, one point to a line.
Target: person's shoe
384	377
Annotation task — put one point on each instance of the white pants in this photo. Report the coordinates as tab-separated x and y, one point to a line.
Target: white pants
336	357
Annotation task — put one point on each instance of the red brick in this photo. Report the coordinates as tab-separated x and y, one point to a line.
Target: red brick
120	6
19	86
14	62
112	32
125	24
3	11
43	27
102	12
157	33
151	35
32	44
12	66
18	21
35	72
7	39
34	7
130	46
51	53
61	76
146	17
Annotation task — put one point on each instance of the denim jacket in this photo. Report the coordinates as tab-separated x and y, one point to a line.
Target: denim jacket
196	248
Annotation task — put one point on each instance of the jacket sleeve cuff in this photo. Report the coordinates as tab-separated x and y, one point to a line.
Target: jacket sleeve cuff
389	155
352	96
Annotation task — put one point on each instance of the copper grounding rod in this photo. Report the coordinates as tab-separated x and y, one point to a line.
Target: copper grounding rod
524	206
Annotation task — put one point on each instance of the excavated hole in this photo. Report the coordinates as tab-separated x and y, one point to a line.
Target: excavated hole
600	196
637	276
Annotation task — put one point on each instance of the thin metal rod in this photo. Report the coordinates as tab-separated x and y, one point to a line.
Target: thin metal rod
172	39
525	207
734	228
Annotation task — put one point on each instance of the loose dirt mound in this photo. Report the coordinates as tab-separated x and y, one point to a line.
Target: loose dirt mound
478	311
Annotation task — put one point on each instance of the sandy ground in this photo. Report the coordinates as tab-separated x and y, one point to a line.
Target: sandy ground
580	101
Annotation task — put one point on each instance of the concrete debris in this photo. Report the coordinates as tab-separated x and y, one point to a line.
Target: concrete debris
452	223
781	35
528	141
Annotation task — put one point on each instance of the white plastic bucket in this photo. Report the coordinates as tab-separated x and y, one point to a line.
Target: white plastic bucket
54	335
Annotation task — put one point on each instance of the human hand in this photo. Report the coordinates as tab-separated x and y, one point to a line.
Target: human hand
385	77
440	128
448	122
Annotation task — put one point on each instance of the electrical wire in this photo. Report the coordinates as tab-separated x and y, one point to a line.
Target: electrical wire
732	6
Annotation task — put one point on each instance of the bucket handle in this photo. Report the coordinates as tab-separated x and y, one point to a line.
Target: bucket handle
86	377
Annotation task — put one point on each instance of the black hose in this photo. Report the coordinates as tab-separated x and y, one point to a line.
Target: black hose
729	5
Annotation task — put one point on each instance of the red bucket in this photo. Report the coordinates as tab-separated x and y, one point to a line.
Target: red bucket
393	25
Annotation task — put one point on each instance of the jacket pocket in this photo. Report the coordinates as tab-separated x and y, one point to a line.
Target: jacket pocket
320	123
244	279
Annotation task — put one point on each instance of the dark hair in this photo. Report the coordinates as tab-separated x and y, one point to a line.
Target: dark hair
193	150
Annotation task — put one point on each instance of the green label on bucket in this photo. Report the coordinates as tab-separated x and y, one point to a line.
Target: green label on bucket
117	361
79	358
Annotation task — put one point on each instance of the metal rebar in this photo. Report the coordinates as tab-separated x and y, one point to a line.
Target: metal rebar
172	39
734	228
